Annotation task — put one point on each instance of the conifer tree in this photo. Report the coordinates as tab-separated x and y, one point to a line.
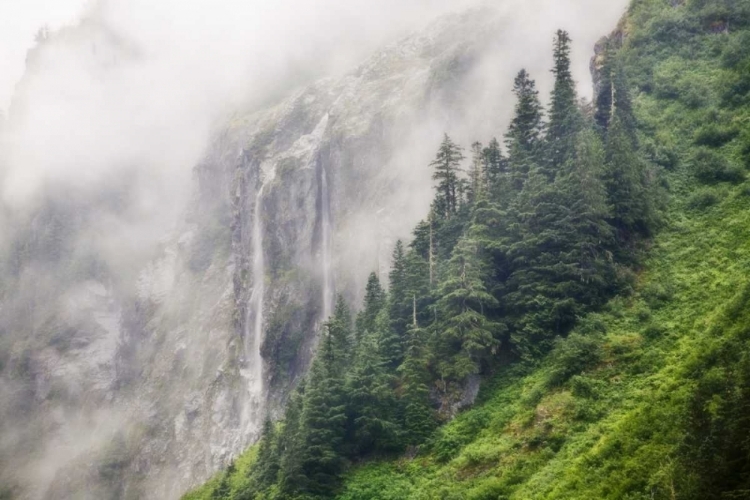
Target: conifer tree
265	471
446	166
564	118
419	418
477	173
604	98
372	400
224	490
494	166
375	299
323	426
339	335
292	478
525	131
464	305
398	300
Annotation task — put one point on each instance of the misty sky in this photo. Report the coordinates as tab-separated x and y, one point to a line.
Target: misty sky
19	22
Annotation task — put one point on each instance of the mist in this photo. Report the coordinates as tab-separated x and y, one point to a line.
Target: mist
124	98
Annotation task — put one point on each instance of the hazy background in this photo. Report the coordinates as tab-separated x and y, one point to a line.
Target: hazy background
114	111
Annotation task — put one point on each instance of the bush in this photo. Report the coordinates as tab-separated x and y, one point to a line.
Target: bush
657	295
572	356
711	167
736	51
715	136
702	200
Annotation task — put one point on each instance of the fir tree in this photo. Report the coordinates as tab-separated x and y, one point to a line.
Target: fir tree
398	300
564	117
494	167
446	168
419	418
477	173
464	305
375	299
292	478
372	400
323	426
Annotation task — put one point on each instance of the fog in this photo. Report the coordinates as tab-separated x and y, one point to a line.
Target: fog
118	104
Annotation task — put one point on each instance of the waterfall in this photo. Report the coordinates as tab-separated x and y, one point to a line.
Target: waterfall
326	245
252	414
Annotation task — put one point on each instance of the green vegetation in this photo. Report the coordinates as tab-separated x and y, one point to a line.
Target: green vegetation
611	327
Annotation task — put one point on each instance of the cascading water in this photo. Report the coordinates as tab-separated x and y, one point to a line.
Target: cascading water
253	332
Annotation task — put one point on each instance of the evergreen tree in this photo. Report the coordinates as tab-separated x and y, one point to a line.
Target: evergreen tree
464	305
494	167
339	335
525	131
372	401
604	97
477	173
265	471
375	299
446	166
419	418
323	426
292	478
564	118
561	265
626	181
398	300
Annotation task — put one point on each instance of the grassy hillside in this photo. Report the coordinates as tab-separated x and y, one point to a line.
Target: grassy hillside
650	397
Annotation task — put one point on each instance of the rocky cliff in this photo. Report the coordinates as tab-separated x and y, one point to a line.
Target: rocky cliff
140	384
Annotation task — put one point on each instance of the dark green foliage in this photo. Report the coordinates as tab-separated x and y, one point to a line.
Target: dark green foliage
446	169
372	401
374	302
711	167
564	118
466	330
715	136
523	139
703	199
572	356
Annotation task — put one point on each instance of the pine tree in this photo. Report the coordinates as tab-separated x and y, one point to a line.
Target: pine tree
446	166
324	427
398	300
604	97
339	335
265	470
561	265
464	305
564	118
292	478
494	167
523	139
372	400
419	418
375	299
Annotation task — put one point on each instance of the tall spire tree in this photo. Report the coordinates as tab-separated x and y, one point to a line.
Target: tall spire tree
524	134
564	118
447	165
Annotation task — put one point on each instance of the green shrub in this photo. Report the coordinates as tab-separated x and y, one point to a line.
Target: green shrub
715	136
703	199
736	51
711	167
572	356
657	294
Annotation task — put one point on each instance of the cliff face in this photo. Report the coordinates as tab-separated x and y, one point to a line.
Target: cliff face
140	384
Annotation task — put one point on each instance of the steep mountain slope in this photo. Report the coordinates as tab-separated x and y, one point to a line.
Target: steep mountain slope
138	379
649	397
